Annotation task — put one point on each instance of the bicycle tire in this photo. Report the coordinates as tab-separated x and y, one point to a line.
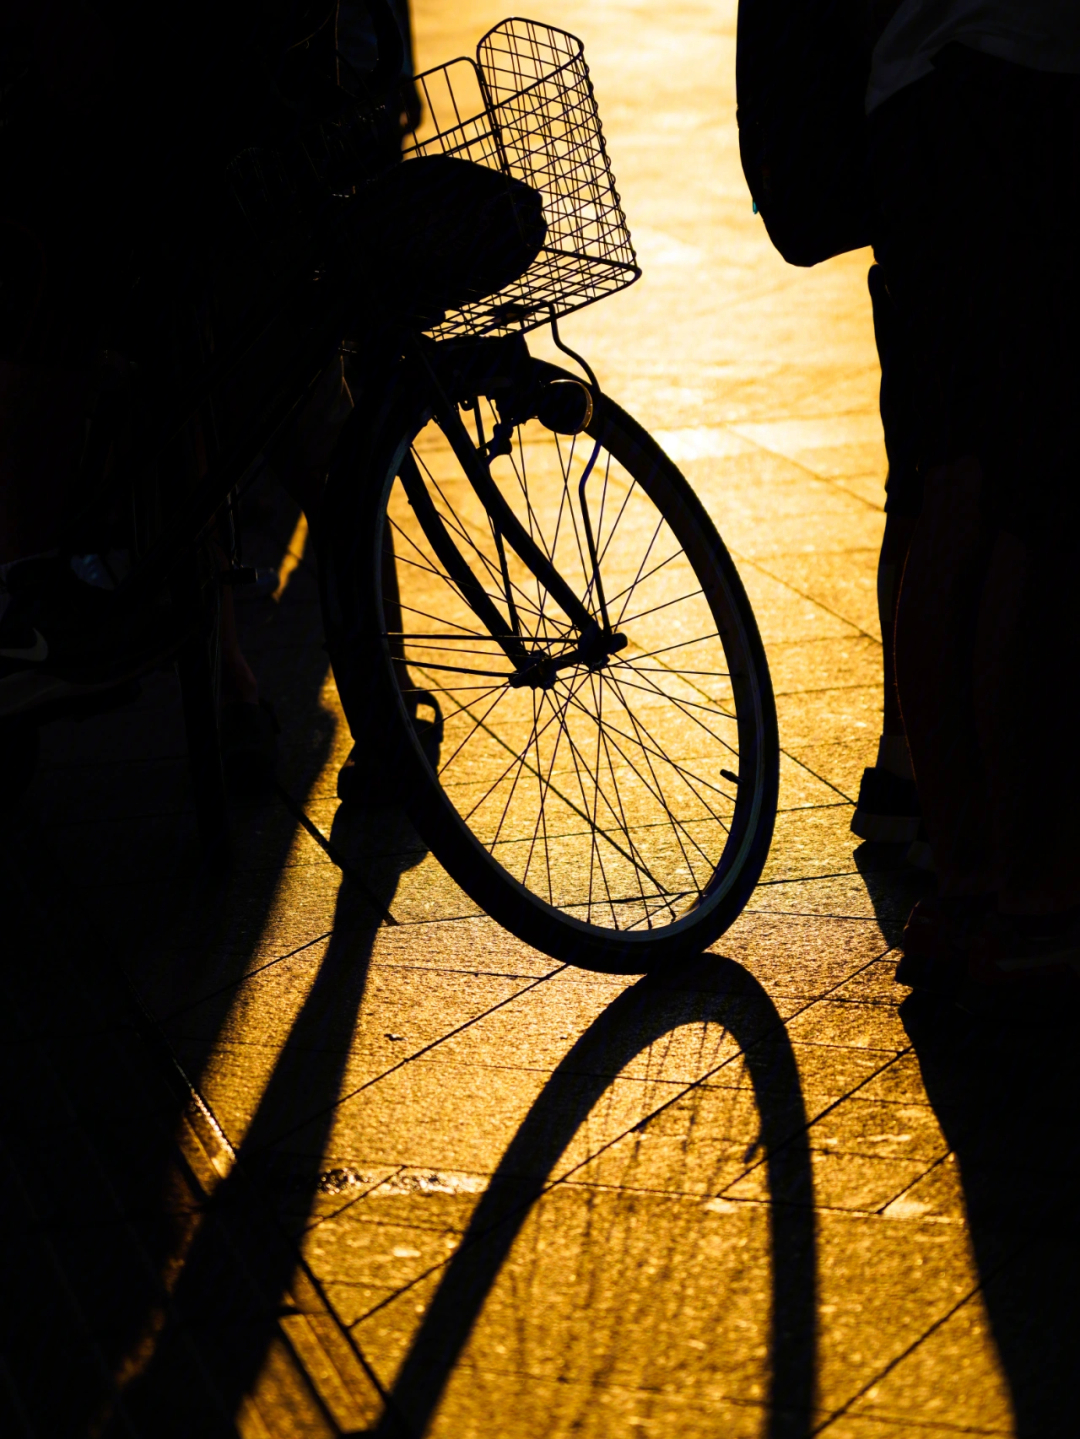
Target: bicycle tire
386	675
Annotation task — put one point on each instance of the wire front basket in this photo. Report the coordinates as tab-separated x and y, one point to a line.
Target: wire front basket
526	107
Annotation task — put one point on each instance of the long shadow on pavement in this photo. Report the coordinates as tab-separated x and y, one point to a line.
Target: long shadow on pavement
1006	1093
716	989
1007	1096
239	1269
144	1309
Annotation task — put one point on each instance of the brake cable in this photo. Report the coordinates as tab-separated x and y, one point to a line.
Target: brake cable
589	467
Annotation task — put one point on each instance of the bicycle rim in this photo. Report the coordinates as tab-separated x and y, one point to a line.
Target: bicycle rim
617	812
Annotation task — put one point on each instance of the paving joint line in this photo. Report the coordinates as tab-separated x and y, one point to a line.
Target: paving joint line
801	465
755	564
243	979
638	1126
298	812
988	1276
408	1059
803	765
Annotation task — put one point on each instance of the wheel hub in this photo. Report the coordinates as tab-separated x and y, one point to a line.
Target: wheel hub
593	649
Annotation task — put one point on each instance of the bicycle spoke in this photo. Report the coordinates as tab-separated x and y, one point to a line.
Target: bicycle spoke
652	688
600	734
656	790
641	566
541	818
590	784
672	699
675	824
658	753
615	524
678	645
450	518
472	634
630	619
593	829
604	833
684	774
499	779
513	787
640	581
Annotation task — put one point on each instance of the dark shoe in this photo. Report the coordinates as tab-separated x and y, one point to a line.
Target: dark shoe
888	809
248	734
64	640
936	939
371	777
1023	967
362	780
1010	950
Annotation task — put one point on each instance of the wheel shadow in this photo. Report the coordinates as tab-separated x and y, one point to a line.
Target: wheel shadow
642	1015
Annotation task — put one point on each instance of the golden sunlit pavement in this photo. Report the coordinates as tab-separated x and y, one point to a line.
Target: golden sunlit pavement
426	1180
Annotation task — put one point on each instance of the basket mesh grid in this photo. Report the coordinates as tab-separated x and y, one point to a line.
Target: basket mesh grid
526	107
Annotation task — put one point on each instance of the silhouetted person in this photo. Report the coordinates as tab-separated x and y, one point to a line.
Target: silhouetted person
119	125
975	147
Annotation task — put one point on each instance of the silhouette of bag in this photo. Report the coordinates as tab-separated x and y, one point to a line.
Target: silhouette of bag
801	70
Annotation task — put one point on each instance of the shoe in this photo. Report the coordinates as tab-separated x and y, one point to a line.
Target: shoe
368	779
62	639
1017	950
248	736
1023	968
936	939
888	809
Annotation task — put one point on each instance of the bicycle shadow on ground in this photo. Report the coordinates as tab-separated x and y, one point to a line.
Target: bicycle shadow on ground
713	988
186	1298
228	1299
1007	1097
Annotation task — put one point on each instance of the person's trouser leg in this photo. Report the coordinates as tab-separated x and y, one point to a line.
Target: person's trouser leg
1026	663
937	621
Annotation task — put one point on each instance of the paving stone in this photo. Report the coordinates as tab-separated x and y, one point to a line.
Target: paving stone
952	1369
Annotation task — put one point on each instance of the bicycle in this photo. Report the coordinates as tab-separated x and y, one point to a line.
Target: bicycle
538	621
531	618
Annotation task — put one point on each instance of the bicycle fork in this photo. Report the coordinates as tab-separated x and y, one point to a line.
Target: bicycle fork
596	641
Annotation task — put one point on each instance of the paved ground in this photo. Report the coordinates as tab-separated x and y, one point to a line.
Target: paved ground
289	1165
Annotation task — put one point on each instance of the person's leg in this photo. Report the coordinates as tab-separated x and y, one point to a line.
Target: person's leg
978	169
1027	659
903	489
893	753
887	810
937	621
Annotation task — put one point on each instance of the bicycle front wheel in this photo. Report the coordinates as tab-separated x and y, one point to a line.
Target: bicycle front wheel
612	809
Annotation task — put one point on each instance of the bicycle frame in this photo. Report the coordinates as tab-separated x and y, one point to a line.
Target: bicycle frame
508	366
